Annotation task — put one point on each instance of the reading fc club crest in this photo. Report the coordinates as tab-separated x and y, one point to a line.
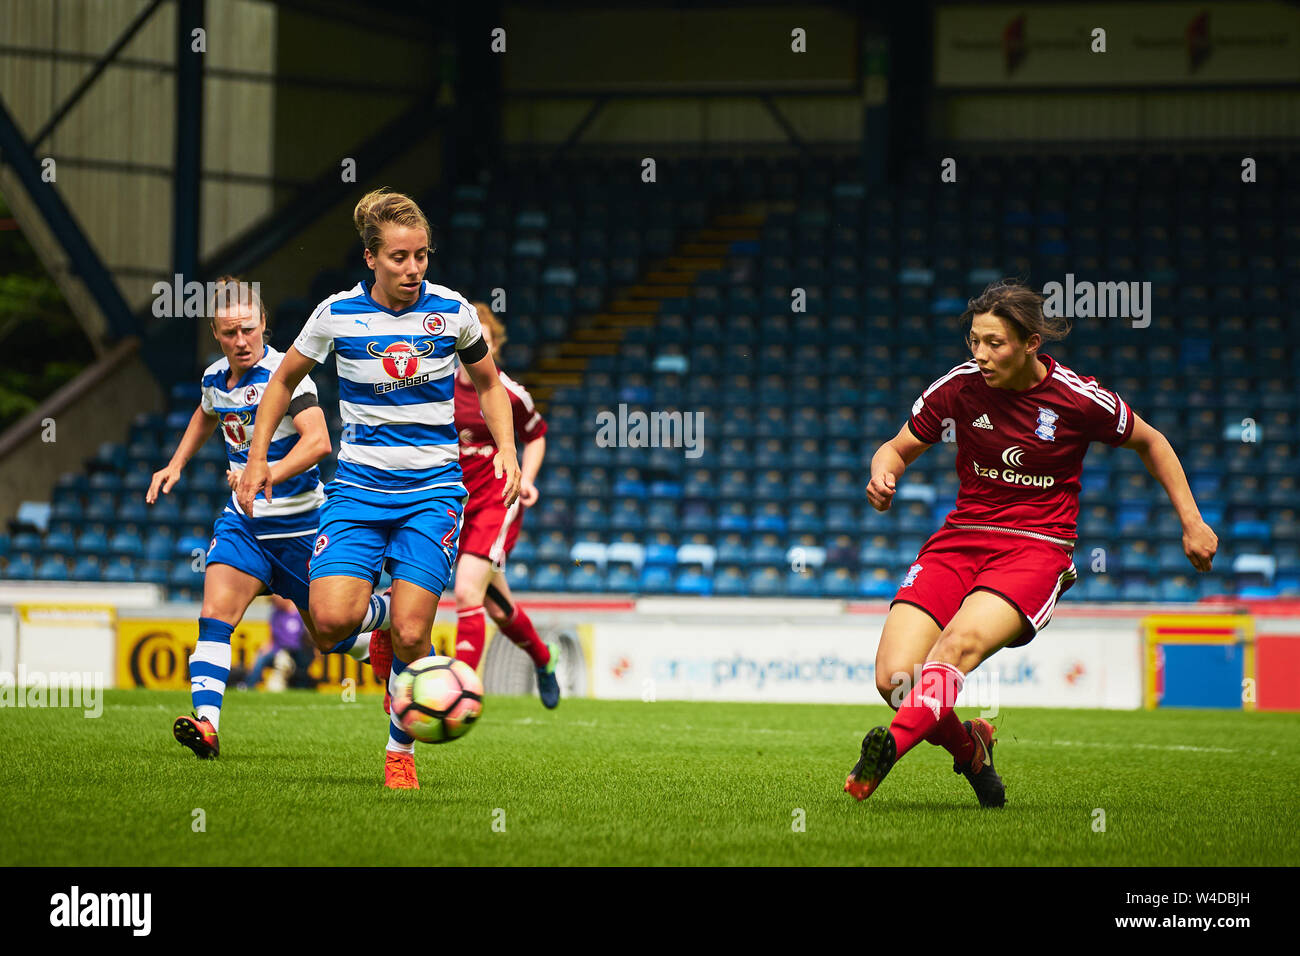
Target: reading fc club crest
321	542
250	395
1046	429
235	427
434	323
401	359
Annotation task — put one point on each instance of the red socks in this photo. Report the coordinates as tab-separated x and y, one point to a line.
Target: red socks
471	634
520	630
927	711
952	737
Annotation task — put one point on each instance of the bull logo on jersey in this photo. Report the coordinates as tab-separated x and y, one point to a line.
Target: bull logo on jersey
401	359
234	425
1046	429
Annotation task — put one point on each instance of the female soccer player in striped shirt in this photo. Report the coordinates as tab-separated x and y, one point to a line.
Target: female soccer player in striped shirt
397	496
264	545
992	575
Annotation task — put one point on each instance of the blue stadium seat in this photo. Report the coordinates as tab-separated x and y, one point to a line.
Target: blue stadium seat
586	577
626	552
53	568
588	552
622	577
125	542
693	582
877	583
656	579
702	554
86	568
92	541
729	580
26	541
549	577
120	570
766	581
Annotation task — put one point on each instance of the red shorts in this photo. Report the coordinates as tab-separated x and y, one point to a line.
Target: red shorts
490	530
1028	572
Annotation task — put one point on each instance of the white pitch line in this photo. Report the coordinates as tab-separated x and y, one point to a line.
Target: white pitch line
1134	746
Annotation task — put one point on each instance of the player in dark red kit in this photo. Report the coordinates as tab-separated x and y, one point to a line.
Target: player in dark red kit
990	577
490	529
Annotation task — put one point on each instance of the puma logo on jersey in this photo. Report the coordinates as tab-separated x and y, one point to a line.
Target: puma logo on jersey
983	422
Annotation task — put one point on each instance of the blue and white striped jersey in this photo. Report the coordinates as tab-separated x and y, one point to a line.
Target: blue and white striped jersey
397	381
292	510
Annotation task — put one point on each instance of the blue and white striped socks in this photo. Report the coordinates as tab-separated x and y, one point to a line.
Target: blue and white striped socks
398	739
210	669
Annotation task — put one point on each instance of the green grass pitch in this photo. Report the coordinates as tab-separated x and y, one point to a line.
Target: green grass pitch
605	782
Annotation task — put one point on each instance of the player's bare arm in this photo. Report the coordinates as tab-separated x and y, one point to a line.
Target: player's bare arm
198	431
888	464
495	402
534	452
312	448
1199	541
275	402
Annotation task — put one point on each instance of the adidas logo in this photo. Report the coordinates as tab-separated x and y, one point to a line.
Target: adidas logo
983	422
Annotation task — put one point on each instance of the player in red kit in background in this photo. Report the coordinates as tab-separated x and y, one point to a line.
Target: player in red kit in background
991	576
490	529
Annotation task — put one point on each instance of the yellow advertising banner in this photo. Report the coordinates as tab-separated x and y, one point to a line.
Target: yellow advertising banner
154	653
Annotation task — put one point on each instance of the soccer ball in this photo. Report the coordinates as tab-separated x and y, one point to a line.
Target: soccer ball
437	699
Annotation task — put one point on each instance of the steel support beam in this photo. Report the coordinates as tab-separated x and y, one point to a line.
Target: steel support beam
85	262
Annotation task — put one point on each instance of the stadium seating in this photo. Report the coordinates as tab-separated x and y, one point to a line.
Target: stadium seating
793	404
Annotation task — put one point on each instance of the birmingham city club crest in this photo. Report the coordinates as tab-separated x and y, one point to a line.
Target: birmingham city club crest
1046	429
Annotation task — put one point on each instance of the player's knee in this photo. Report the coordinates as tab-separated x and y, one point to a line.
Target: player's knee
893	684
409	634
213	610
958	645
323	642
333	624
468	594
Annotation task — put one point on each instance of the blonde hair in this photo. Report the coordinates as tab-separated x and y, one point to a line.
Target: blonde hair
378	208
494	325
230	292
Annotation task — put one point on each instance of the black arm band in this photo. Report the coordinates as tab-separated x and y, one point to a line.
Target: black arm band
476	351
302	403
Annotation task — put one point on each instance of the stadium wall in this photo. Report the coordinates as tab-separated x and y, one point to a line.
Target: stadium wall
1091	656
96	406
691	79
114	151
1169	72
